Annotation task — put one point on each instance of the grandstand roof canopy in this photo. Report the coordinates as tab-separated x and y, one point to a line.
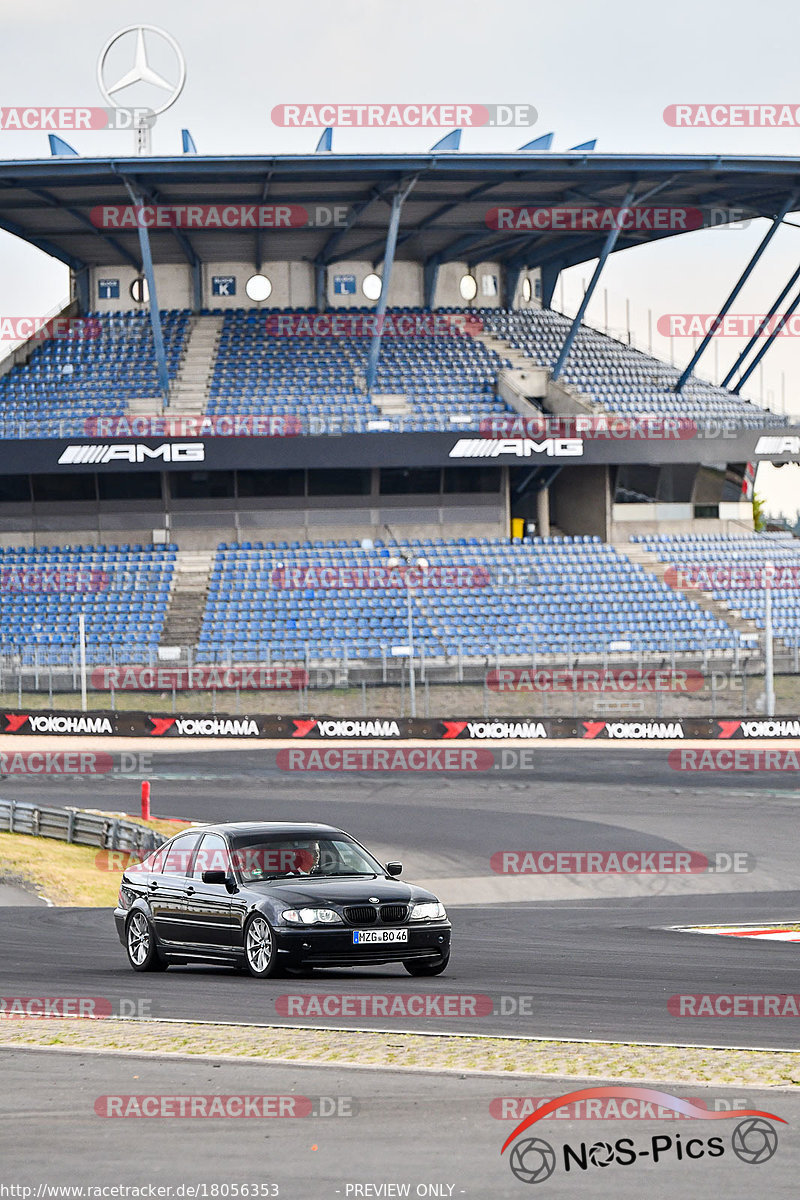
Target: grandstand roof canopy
49	202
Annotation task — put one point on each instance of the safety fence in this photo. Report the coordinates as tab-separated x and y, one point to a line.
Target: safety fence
81	828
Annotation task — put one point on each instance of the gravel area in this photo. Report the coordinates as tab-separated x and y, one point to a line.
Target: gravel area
662	1064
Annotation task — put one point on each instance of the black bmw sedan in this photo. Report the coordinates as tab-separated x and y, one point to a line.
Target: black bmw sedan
269	895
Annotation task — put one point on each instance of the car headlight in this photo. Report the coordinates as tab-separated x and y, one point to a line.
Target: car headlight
311	916
428	910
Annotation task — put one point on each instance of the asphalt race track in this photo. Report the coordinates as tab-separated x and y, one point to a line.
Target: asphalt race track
379	1133
591	957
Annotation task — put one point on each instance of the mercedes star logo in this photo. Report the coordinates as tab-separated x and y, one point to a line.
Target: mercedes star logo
141	72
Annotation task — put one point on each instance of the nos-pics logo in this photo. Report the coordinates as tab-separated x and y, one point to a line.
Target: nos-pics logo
533	1160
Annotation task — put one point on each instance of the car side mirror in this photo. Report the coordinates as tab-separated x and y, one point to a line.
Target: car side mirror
394	868
216	877
221	879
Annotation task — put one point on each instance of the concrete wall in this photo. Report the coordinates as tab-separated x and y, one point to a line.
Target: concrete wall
200	524
293	285
580	501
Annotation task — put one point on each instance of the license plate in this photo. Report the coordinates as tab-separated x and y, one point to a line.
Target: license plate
362	936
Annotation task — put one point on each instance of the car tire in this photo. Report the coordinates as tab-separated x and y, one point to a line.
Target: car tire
140	944
260	947
415	967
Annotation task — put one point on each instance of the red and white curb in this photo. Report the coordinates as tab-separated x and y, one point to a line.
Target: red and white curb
770	933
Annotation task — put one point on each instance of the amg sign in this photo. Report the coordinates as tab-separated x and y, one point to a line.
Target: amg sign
520	447
130	452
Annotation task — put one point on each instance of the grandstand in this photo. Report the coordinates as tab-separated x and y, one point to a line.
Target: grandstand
406	447
121	590
67	381
736	571
618	379
543	596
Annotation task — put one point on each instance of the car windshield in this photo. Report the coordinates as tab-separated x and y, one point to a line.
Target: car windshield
278	858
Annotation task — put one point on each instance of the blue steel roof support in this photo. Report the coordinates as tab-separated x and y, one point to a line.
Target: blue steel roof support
549	274
320	297
430	277
775	333
259	255
398	199
610	243
325	255
43	244
152	298
793	278
511	276
788	206
188	249
51	202
425	223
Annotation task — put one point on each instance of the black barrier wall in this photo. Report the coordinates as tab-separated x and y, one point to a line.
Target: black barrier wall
322	728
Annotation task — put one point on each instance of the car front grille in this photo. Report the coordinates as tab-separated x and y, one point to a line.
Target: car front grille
367	914
394	914
361	914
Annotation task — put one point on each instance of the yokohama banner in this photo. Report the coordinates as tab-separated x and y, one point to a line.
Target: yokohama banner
390	729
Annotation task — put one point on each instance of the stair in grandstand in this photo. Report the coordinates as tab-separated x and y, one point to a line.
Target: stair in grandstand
718	608
526	386
190	391
187	600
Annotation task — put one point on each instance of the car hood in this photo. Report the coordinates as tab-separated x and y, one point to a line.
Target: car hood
318	891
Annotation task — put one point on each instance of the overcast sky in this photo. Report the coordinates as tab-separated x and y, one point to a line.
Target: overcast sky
591	71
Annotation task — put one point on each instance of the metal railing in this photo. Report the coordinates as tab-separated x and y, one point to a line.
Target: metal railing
80	828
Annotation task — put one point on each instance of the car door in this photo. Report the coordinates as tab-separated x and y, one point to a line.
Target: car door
167	890
207	914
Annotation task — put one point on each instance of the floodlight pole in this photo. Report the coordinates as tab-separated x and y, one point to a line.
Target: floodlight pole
82	652
412	694
769	678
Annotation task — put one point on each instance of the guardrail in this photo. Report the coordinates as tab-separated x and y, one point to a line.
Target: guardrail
80	828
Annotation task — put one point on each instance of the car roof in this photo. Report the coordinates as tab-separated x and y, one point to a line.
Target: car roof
266	828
